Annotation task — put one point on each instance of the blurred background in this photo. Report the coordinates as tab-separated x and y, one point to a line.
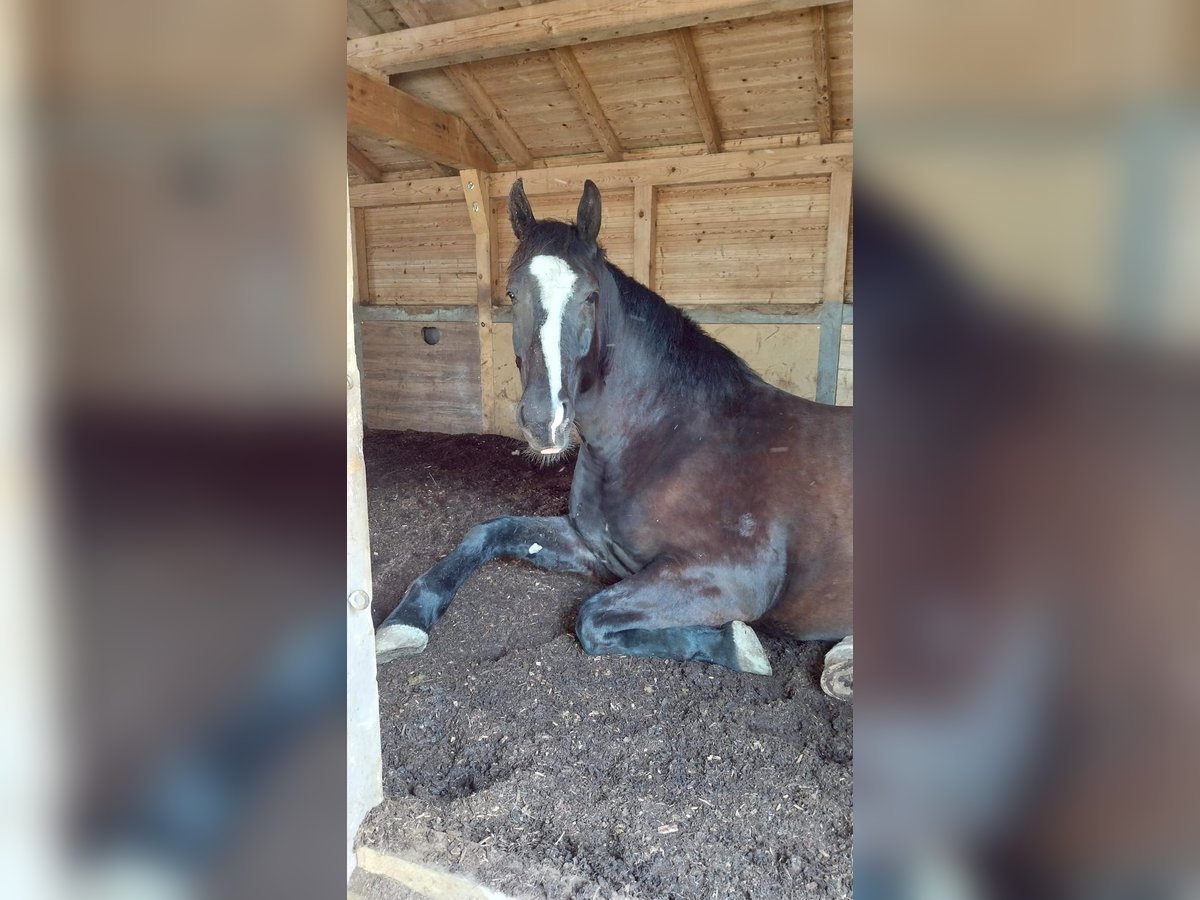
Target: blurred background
1027	453
1027	228
174	513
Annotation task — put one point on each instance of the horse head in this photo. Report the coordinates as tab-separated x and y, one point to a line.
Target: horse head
554	284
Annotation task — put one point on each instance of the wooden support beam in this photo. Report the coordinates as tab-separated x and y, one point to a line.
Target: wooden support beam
557	23
581	90
703	313
362	164
742	165
837	236
362	274
643	233
475	190
820	48
693	74
414	15
422	129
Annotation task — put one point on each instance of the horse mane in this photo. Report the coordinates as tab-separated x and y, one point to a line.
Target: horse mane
688	358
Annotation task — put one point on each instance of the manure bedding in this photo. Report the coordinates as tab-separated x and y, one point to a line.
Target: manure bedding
512	758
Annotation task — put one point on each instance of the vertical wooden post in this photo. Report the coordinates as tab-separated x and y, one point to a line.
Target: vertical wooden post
360	275
364	774
837	245
644	215
475	190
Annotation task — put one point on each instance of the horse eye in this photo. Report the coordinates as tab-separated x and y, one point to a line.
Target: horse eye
593	297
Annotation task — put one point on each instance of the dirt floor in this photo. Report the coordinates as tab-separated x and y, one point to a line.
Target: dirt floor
513	758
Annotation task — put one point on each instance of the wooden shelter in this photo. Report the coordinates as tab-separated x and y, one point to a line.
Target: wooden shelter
719	133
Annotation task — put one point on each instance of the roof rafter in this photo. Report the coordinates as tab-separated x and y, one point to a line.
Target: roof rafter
820	47
414	15
557	23
693	74
419	128
362	164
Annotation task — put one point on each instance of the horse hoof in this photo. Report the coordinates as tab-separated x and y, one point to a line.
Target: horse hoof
750	654
837	678
392	641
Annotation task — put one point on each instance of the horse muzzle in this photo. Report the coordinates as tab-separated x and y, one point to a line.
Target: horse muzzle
552	438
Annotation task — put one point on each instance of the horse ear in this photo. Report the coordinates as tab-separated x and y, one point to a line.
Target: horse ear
587	220
520	214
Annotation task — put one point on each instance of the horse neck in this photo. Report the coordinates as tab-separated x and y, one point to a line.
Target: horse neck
634	392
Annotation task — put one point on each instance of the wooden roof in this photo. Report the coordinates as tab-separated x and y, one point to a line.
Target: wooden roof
455	83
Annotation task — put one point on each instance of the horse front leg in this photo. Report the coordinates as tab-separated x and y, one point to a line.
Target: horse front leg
549	542
670	611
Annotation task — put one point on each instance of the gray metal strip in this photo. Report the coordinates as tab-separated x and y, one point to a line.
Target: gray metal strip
829	351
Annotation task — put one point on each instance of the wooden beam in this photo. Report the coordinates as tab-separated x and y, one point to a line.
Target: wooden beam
742	165
581	90
820	48
362	272
361	164
422	129
837	236
739	165
557	23
643	233
693	74
414	15
704	314
475	190
829	350
399	193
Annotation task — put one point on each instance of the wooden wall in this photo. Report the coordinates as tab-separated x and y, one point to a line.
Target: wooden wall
745	248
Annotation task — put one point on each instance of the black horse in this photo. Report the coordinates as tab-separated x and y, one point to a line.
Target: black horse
711	498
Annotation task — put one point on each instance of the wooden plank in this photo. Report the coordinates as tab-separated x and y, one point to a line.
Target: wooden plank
403	193
414	15
715	314
478	202
791	162
418	127
409	383
585	98
362	277
361	164
820	45
558	23
837	236
830	348
643	233
693	74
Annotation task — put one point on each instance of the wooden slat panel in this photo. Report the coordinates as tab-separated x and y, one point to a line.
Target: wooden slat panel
760	75
559	23
616	228
421	253
410	384
784	355
745	243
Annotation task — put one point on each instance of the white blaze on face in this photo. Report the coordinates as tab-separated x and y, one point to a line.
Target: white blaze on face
555	281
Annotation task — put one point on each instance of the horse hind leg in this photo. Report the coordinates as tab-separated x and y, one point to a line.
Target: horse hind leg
837	678
655	613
